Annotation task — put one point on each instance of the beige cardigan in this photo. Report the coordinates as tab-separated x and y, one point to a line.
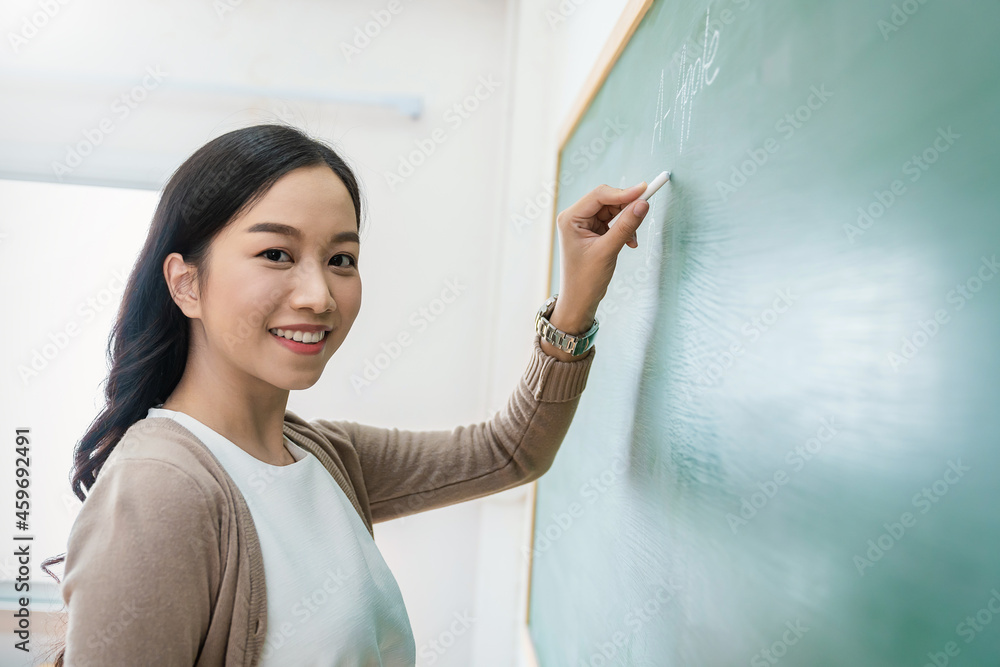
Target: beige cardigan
163	565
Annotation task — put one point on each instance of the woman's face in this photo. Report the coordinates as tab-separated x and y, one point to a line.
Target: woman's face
289	263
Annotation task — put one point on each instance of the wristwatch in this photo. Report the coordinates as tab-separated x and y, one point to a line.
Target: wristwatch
575	345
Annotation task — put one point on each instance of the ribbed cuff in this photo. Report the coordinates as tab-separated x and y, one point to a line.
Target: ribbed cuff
551	380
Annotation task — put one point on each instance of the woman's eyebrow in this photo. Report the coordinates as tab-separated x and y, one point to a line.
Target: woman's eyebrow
288	230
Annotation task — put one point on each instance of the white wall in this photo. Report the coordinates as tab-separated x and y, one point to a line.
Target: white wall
452	219
557	45
67	251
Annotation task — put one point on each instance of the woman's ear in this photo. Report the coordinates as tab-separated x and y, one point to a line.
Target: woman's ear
182	283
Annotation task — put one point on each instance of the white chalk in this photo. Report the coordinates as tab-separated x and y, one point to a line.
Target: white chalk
650	189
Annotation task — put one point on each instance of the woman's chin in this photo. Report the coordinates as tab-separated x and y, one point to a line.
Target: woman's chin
296	381
302	382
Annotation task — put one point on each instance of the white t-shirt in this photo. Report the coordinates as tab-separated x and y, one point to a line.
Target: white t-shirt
331	599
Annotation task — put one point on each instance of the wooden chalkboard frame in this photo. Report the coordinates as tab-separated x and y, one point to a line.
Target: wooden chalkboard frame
631	16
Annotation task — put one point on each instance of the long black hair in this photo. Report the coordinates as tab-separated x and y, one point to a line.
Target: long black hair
148	344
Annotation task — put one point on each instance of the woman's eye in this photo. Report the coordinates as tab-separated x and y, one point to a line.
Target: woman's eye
270	253
352	260
275	254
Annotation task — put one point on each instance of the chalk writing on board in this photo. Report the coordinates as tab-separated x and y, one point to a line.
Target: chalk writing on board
691	79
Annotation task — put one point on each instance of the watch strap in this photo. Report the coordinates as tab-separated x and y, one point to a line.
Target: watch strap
575	345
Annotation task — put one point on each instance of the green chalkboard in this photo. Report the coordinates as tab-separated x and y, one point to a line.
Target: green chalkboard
788	451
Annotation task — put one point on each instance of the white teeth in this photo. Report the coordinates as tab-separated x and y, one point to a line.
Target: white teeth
300	336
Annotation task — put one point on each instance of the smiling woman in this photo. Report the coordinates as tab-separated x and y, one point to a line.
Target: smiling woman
299	277
199	477
217	324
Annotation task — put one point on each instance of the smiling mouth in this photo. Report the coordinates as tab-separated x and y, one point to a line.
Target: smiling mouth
306	338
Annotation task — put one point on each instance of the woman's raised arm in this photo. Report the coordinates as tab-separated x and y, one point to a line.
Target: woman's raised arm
406	472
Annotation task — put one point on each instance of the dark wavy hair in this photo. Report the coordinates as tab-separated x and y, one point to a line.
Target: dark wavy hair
148	344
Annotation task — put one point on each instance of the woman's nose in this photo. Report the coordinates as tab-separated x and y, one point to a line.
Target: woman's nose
312	290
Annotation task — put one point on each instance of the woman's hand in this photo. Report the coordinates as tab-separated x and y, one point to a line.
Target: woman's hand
589	251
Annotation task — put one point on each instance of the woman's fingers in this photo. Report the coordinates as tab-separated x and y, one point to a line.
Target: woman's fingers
623	232
602	204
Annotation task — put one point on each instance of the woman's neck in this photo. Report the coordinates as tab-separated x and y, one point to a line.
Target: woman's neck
253	420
